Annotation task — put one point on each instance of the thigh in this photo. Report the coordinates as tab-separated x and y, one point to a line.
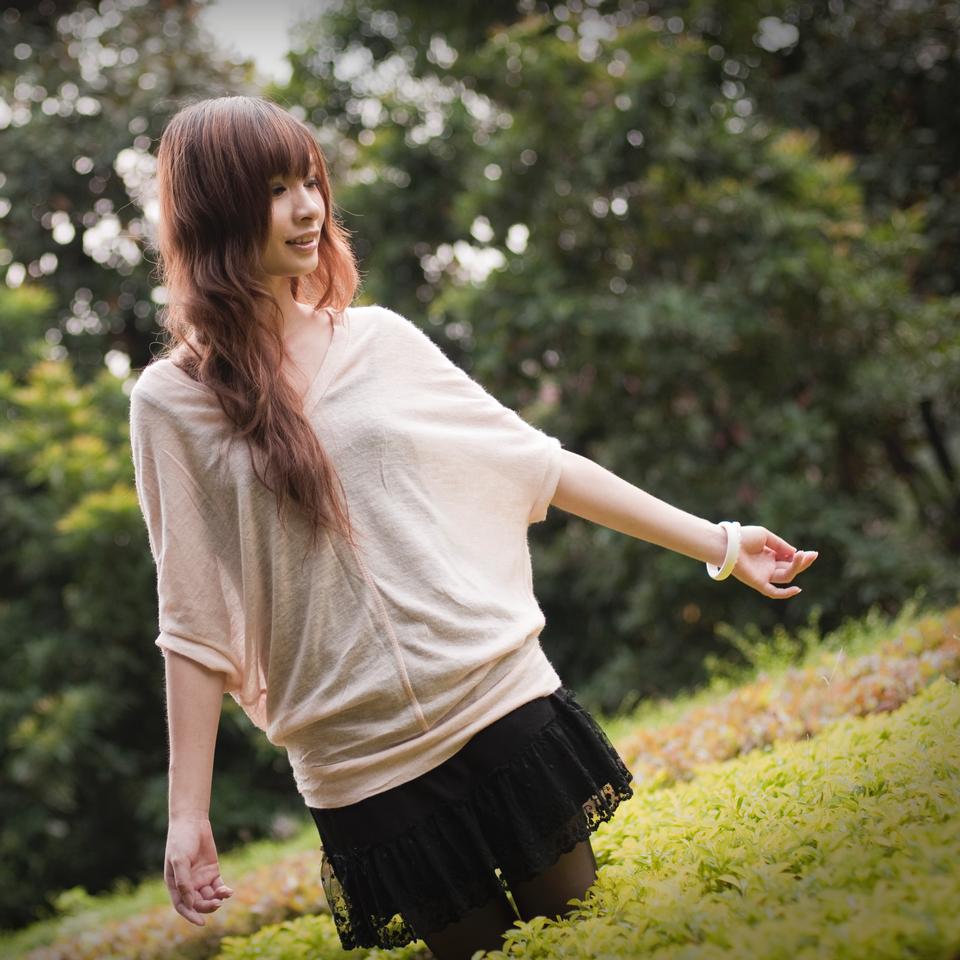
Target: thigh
480	929
548	893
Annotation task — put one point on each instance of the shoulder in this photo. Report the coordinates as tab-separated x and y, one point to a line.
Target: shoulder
378	316
149	387
376	313
161	383
403	333
152	373
391	334
168	406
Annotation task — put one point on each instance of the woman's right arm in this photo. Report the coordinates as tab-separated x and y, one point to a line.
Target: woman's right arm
191	868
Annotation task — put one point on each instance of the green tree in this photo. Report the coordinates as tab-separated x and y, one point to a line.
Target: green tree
83	747
682	290
876	80
84	92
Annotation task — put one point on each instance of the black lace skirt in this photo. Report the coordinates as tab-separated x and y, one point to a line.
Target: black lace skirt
518	795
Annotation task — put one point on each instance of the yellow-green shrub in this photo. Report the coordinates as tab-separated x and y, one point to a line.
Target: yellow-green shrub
732	859
798	702
307	938
267	895
846	845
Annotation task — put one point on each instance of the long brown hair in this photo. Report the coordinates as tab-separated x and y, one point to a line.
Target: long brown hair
223	326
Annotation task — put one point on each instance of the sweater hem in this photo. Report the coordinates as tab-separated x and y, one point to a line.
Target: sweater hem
534	677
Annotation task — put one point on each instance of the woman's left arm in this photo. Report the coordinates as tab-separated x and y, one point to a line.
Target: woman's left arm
594	493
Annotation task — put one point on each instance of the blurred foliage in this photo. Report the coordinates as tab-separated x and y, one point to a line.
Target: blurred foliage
716	257
85	90
84	758
779	698
83	755
876	80
676	287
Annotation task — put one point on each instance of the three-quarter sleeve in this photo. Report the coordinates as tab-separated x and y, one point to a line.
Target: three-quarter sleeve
197	612
501	459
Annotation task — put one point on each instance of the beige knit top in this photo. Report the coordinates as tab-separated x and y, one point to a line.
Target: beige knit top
369	667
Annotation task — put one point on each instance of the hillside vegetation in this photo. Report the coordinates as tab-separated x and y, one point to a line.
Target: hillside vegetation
806	807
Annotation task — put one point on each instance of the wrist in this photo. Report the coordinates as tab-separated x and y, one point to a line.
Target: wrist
723	570
719	546
193	815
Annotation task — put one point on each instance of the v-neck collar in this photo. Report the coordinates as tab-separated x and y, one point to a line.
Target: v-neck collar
340	332
321	380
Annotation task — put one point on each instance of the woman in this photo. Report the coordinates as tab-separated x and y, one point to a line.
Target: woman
338	515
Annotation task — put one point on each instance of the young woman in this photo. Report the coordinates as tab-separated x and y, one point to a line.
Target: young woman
338	515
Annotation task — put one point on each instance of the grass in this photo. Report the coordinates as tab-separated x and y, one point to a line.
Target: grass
771	657
146	908
83	912
844	846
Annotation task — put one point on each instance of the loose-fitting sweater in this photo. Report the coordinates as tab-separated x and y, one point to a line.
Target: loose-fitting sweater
371	666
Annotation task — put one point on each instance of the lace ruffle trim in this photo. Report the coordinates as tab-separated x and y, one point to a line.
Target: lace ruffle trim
444	864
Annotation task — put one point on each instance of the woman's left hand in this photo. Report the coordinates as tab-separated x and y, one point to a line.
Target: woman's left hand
766	559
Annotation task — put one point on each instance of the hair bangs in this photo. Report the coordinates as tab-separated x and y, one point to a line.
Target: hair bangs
289	147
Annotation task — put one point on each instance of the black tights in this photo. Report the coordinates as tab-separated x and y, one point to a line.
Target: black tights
545	895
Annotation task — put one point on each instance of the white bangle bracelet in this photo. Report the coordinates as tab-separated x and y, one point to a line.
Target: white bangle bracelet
733	551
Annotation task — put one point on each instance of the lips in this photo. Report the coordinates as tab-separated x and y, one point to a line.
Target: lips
305	242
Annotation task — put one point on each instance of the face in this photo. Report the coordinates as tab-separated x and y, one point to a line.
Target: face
296	211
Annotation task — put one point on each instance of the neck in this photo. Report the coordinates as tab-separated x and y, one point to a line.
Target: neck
293	311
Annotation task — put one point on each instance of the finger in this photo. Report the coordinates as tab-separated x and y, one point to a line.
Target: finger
207	906
191	915
205	899
777	593
783	549
784	571
803	559
221	887
179	868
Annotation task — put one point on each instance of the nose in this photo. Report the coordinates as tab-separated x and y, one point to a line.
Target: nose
309	205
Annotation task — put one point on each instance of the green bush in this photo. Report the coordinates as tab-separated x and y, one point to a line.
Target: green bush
843	846
307	938
686	291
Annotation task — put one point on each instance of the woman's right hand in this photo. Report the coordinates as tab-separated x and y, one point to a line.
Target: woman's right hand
191	870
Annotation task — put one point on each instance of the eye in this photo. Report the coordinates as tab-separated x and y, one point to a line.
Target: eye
278	188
